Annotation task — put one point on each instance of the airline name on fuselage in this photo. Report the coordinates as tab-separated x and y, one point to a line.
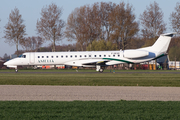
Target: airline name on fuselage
45	61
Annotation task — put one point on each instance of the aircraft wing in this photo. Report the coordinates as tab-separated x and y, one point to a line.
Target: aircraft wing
87	62
96	62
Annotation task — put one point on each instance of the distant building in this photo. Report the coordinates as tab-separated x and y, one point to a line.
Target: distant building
174	65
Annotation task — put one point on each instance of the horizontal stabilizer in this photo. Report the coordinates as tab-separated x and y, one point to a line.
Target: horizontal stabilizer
169	34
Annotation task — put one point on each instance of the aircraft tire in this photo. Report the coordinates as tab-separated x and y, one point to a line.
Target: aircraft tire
101	70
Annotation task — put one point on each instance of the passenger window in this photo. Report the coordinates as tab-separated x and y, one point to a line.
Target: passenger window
113	55
71	56
94	55
47	56
75	55
38	56
56	56
99	55
84	55
66	56
61	56
42	56
80	55
109	55
89	55
104	55
24	56
51	56
118	55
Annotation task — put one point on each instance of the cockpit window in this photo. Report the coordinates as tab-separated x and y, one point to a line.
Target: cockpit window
22	56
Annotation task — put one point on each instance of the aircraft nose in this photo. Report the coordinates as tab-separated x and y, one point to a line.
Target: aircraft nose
6	63
11	64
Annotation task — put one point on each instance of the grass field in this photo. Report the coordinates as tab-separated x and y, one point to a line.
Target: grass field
67	77
116	110
96	110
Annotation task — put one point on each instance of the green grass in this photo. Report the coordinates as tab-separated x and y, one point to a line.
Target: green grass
37	77
96	110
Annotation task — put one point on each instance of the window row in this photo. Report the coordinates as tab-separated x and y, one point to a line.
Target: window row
71	56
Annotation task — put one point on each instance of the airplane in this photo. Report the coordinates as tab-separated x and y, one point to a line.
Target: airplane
98	59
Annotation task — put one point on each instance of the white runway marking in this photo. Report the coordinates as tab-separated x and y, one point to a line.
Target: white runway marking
87	93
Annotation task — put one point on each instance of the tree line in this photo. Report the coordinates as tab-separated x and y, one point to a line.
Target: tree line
99	26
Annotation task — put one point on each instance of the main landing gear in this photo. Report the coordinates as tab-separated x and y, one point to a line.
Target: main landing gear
98	68
101	70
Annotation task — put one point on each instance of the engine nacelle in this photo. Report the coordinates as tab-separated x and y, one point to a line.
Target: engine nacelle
135	53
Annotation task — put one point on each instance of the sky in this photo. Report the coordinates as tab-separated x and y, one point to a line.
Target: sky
31	9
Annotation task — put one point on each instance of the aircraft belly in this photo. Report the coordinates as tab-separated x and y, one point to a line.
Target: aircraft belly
114	62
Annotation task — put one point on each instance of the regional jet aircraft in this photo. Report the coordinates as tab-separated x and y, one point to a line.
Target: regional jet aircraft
98	59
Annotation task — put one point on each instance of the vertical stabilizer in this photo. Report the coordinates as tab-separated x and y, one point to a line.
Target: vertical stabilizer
162	43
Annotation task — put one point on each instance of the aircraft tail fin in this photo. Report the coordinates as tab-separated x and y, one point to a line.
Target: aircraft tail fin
162	43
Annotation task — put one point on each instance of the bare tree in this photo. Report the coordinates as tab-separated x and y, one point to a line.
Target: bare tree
50	26
76	27
84	25
152	22
14	29
6	57
124	25
107	21
32	43
175	24
106	10
175	18
93	23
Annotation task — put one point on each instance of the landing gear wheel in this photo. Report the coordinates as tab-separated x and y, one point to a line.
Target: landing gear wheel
100	70
16	70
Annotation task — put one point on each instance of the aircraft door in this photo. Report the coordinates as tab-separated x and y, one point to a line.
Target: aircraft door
31	58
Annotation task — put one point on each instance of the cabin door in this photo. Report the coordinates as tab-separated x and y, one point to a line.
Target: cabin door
31	58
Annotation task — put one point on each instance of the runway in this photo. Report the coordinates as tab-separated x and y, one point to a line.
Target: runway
87	93
75	72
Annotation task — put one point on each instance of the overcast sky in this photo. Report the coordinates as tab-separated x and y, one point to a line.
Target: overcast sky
31	9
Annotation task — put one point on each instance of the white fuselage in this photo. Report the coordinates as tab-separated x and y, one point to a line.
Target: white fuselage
94	58
75	58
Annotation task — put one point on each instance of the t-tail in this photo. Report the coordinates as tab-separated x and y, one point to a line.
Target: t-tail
161	45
